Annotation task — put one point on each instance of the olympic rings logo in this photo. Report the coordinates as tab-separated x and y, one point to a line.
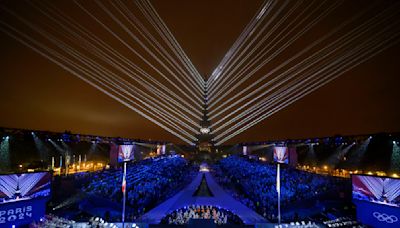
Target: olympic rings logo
382	217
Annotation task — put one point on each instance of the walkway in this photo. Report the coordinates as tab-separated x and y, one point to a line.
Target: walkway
203	190
219	199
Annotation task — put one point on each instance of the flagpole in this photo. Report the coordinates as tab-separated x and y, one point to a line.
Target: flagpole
60	165
278	189
124	194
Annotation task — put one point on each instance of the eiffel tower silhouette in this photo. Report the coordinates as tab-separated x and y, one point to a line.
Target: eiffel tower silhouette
384	196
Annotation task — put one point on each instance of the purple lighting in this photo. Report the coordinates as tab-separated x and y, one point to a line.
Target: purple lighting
24	186
381	190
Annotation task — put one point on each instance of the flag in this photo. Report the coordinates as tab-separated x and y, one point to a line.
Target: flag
123	185
278	179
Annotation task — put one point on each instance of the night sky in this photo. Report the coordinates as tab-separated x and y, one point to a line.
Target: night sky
37	94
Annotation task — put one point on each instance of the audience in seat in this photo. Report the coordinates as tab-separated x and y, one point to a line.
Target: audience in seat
148	182
254	184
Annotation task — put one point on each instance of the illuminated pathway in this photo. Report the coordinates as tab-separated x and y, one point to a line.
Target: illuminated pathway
186	198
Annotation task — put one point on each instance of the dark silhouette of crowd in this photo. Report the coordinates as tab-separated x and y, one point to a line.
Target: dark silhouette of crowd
254	184
148	182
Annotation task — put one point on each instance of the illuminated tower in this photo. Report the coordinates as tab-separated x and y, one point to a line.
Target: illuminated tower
204	138
384	196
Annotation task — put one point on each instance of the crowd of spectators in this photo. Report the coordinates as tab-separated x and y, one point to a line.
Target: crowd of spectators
254	184
148	182
52	221
184	215
343	222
